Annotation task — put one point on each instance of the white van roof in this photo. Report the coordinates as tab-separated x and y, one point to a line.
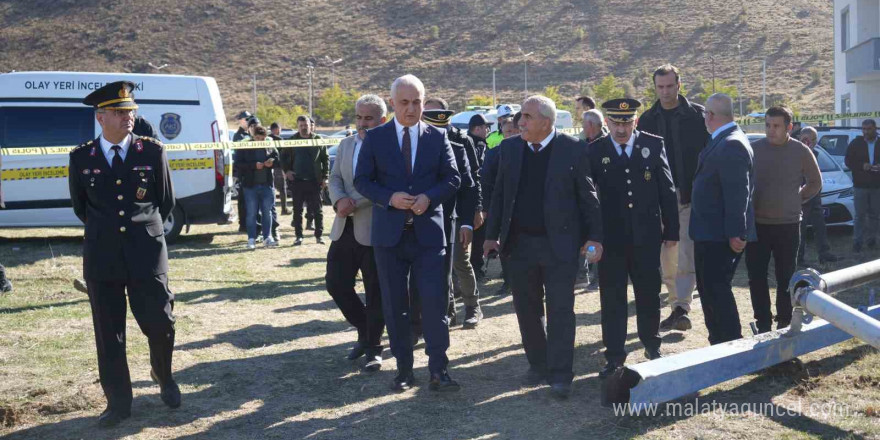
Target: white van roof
73	86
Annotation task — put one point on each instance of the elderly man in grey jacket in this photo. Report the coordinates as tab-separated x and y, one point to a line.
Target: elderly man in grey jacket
351	249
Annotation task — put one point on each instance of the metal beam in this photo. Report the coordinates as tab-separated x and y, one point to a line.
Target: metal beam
839	280
679	375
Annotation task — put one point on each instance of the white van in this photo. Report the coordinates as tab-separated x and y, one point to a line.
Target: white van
44	109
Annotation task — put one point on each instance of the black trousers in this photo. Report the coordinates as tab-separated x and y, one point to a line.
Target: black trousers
815	216
536	273
308	192
152	304
281	186
715	264
477	261
780	241
344	259
642	265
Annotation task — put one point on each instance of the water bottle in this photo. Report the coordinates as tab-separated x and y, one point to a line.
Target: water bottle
591	252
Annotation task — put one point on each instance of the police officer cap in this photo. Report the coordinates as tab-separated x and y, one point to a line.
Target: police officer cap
253	120
621	110
438	118
478	120
505	111
116	95
244	115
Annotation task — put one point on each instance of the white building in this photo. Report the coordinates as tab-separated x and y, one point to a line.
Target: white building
856	56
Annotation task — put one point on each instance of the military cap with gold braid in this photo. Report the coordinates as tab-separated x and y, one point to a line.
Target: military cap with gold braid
621	110
437	118
116	95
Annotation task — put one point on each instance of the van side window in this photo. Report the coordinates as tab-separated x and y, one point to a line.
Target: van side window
826	163
45	126
835	144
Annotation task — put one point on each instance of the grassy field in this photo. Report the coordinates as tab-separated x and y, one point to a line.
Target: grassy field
261	346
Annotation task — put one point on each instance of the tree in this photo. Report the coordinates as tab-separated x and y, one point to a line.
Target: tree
608	89
332	103
552	92
720	86
480	100
268	112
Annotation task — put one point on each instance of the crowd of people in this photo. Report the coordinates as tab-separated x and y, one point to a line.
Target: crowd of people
674	197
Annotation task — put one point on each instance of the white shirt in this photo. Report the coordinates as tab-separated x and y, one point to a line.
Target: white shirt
357	151
413	138
546	140
722	128
628	147
106	146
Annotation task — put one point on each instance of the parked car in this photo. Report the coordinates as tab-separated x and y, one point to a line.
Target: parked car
835	140
837	188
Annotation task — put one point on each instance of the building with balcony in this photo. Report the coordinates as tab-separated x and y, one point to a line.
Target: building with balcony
856	56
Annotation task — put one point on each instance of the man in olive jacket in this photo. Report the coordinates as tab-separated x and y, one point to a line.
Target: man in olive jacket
682	126
307	170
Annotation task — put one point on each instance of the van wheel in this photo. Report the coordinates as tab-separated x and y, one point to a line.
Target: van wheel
174	224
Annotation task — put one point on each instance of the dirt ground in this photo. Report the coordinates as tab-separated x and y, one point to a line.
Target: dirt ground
261	354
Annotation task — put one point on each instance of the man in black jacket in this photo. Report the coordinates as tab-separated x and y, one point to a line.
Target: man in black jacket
307	170
255	166
682	126
863	158
120	187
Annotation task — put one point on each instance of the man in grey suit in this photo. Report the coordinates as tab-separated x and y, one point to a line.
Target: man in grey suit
351	248
722	217
544	210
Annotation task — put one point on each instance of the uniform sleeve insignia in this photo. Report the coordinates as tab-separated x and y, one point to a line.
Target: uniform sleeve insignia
139	146
606	160
94	151
647	175
645	153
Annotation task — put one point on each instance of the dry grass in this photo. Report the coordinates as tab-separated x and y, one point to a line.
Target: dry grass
576	43
260	354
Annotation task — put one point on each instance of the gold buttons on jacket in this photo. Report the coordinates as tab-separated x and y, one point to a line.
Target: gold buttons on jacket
119	197
630	205
122	229
121	213
119	181
627	170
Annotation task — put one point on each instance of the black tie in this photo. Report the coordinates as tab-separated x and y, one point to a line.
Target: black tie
623	155
406	149
536	147
117	161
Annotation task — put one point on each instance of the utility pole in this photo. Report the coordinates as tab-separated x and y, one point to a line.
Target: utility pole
332	63
311	69
739	90
713	74
493	88
525	69
764	84
255	93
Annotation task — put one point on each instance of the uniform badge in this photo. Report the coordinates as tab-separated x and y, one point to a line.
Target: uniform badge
141	193
646	152
139	146
606	160
170	125
94	151
647	175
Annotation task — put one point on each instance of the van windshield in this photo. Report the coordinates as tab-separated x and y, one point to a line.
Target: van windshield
45	126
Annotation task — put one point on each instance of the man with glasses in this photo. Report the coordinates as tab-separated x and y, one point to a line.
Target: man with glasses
120	187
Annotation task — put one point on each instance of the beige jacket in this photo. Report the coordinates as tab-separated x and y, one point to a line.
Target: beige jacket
341	186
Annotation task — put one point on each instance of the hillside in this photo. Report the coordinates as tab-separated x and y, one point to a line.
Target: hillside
575	43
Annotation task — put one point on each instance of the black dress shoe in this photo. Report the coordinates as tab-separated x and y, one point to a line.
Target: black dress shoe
442	382
403	381
653	353
609	369
534	377
112	417
373	363
560	390
414	338
169	392
356	351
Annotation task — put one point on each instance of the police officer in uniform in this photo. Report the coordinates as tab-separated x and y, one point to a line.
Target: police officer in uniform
120	187
639	210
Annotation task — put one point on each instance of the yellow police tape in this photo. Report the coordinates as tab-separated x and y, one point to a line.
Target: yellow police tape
60	171
38	151
817	117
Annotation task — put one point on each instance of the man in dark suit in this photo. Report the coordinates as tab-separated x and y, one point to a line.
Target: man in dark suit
544	209
120	187
863	158
639	211
407	169
722	217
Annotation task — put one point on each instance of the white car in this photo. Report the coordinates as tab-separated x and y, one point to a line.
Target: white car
835	141
837	188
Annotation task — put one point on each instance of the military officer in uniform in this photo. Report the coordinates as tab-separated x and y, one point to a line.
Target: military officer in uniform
120	187
639	210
